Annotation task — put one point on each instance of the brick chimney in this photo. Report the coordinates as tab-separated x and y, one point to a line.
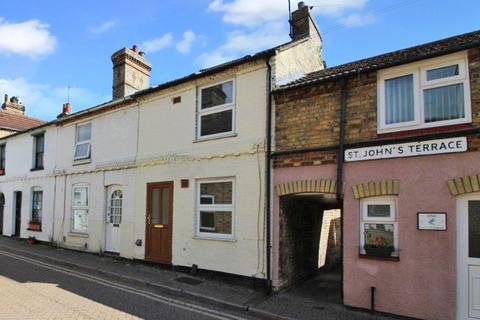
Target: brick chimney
302	23
13	105
66	110
131	72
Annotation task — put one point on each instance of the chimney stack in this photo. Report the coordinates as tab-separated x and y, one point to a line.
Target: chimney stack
11	104
131	72
66	109
302	23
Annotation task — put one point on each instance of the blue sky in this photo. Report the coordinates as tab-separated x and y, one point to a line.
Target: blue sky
46	46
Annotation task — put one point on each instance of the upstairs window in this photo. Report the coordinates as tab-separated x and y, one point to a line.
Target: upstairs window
423	95
38	150
82	141
216	110
2	159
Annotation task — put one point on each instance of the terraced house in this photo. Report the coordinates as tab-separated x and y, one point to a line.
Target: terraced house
392	142
173	174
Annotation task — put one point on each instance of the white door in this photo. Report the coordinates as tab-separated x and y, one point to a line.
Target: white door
114	218
468	257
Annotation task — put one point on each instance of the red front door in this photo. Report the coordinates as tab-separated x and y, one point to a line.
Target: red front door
158	245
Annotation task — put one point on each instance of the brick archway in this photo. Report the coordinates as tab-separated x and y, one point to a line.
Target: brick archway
307	186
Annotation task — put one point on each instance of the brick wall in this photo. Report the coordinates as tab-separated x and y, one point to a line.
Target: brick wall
308	117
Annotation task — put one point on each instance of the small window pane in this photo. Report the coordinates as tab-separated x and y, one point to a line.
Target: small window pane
378	210
39	144
37	206
399	99
116	207
379	234
155	206
217	95
474	229
82	151
84	132
165	205
443	72
444	103
80	197
216	192
216	222
216	123
80	220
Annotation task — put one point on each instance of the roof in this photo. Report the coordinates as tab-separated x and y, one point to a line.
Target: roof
17	122
420	52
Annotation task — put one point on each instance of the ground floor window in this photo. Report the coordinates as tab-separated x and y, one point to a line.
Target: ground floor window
215	208
378	227
37	206
80	208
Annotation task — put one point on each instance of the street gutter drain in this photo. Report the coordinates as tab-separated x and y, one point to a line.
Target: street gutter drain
190	281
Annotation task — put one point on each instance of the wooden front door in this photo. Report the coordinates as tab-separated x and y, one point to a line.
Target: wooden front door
18	213
159	222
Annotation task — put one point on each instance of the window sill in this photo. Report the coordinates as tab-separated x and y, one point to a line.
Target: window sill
78	234
228	135
214	239
81	161
364	256
421	131
37	169
34	230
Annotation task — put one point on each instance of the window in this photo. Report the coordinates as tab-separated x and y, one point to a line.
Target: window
37	205
115	208
378	227
38	150
2	159
80	209
424	95
215	208
216	110
82	141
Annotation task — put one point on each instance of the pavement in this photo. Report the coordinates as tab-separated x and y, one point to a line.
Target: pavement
70	282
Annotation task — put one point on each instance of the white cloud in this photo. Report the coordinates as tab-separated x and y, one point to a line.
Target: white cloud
104	27
157	44
242	42
45	101
358	20
185	45
31	38
253	13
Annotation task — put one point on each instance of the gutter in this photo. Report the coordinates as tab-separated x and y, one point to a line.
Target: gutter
268	174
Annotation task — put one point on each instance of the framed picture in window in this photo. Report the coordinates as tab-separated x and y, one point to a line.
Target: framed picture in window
436	221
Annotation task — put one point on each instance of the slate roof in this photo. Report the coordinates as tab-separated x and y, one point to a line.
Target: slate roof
17	122
424	51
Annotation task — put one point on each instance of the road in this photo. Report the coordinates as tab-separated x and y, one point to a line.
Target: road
32	289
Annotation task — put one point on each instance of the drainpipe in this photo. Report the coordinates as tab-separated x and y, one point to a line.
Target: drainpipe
268	175
340	160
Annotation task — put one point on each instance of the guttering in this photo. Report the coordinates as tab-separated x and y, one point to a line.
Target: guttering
268	174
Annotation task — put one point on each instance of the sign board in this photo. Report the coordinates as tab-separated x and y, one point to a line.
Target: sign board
410	149
432	221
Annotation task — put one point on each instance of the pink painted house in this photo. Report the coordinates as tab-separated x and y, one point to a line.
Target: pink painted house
391	145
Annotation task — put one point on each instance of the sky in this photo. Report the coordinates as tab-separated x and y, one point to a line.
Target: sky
52	50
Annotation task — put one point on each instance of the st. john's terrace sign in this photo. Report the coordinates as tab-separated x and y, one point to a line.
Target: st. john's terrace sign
410	149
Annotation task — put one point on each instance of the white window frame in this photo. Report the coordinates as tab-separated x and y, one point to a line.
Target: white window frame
74	207
77	143
365	219
420	83
216	109
214	207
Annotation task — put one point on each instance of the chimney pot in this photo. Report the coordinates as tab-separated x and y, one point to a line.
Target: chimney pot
141	53
135	48
67	108
301	4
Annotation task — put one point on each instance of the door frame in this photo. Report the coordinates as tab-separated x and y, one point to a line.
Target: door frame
14	220
150	186
108	189
462	253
